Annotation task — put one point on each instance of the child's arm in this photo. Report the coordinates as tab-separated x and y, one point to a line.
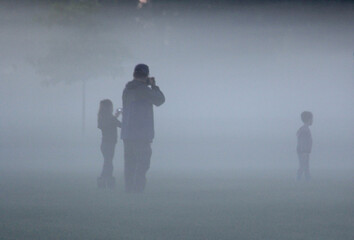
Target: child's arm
117	122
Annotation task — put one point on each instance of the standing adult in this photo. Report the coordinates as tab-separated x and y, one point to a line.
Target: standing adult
137	133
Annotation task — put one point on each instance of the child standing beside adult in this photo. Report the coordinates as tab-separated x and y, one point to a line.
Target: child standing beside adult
108	124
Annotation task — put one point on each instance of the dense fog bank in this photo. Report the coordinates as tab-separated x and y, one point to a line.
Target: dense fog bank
235	78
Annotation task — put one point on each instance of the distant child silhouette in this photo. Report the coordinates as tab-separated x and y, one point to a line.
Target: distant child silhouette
108	124
304	145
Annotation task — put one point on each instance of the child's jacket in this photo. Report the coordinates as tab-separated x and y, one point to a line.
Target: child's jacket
304	140
108	126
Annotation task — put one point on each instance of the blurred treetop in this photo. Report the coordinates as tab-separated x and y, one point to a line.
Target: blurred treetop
80	51
67	12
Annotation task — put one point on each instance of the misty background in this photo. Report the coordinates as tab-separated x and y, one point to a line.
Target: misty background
236	78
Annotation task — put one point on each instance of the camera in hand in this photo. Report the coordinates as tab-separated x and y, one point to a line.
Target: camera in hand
149	80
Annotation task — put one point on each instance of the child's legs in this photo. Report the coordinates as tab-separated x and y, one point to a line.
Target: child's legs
303	165
306	160
107	150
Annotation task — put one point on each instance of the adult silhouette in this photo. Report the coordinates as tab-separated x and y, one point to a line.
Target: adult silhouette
137	133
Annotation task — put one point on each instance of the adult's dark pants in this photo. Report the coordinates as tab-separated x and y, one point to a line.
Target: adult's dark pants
304	168
107	150
137	155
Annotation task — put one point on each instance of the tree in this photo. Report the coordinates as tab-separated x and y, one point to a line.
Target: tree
81	51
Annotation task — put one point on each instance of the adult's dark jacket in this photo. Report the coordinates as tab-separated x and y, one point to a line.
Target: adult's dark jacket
138	115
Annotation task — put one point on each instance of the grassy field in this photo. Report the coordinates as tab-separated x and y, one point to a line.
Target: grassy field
177	206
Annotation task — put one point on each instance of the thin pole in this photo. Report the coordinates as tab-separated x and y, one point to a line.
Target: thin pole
83	107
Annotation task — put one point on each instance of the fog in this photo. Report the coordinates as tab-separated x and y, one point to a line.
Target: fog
236	78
